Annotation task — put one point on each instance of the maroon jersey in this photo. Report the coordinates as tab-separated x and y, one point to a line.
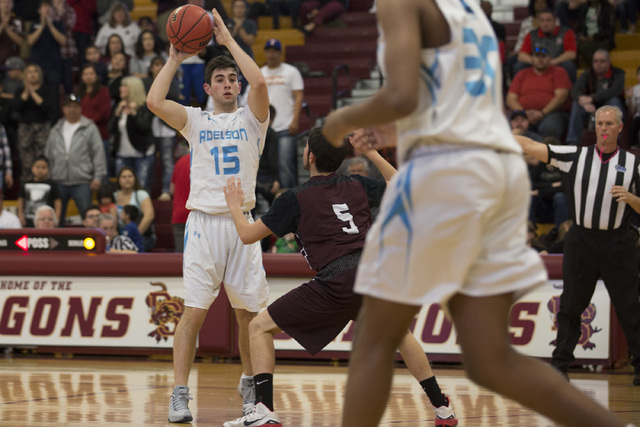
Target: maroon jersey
329	215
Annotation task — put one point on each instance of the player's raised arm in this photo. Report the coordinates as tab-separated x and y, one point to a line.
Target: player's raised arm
248	232
361	141
171	112
258	98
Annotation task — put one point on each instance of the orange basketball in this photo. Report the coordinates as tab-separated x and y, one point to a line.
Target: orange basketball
189	28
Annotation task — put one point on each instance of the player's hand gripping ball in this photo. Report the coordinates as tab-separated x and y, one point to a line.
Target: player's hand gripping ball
189	28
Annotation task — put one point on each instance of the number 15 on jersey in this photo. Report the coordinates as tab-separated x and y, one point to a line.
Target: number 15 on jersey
230	161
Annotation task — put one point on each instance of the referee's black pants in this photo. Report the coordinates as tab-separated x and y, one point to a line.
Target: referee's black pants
590	254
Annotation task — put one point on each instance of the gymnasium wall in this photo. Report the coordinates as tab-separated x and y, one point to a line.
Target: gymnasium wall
97	303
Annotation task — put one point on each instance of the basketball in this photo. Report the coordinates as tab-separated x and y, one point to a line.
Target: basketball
189	28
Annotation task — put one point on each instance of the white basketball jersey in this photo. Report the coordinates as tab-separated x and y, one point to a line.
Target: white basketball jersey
222	146
460	93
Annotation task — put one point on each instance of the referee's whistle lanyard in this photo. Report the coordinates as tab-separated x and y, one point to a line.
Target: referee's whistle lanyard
604	162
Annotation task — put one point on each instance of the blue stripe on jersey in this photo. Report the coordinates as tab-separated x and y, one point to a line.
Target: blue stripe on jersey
428	75
259	153
485	45
466	7
186	235
401	207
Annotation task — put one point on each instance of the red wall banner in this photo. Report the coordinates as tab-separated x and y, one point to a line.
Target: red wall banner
91	302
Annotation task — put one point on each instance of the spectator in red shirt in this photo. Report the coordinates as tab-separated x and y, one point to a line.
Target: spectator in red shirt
83	29
559	41
96	105
180	185
542	91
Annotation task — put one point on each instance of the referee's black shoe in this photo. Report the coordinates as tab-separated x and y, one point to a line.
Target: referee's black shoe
636	379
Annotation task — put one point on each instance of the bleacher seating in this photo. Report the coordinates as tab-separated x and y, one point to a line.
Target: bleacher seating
164	229
144	8
352	41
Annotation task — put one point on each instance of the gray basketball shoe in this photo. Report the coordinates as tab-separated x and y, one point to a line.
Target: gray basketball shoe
179	405
247	390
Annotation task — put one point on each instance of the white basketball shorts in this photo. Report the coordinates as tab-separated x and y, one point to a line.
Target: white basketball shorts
214	253
453	219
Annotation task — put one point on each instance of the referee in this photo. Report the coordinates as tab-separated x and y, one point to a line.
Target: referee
601	183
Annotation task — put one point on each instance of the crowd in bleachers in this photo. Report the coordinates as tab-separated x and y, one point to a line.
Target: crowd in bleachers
556	43
65	58
558	74
59	53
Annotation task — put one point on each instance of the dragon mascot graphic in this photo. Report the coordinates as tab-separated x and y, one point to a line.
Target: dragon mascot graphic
165	312
586	330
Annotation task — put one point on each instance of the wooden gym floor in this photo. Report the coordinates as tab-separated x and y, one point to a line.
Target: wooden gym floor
48	391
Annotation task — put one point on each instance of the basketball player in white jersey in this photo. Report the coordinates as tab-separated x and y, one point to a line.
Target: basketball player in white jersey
452	226
226	143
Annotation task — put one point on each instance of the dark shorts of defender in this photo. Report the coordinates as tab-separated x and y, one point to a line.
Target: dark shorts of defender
590	254
315	312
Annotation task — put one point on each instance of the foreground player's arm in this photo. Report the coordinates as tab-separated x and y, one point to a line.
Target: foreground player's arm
258	98
174	114
400	21
361	142
533	148
249	233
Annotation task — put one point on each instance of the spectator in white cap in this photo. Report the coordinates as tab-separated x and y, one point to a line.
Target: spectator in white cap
285	86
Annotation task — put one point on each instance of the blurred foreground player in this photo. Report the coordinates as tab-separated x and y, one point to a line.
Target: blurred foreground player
453	223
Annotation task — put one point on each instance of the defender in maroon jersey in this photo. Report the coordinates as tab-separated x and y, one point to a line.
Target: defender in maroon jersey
330	216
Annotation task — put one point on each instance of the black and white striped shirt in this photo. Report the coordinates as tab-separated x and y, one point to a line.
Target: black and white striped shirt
588	178
123	243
